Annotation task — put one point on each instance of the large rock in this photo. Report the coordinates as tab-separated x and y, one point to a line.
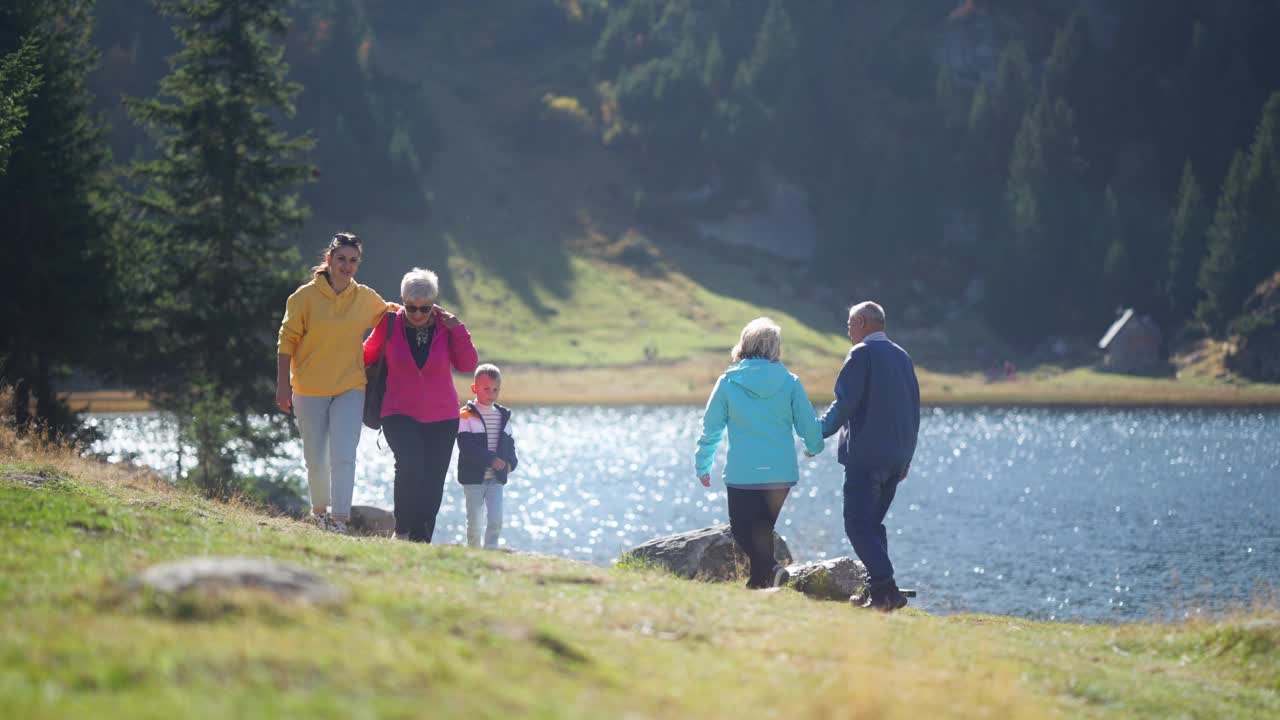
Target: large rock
835	579
373	521
1256	351
214	576
706	554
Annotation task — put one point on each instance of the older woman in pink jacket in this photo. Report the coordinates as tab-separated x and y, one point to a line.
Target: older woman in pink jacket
420	408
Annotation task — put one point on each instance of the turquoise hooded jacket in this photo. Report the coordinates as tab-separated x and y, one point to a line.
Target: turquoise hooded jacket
760	402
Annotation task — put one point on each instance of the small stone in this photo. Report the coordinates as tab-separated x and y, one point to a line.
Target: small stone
216	575
372	521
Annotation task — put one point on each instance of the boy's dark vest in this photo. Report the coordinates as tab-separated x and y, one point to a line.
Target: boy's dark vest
473	446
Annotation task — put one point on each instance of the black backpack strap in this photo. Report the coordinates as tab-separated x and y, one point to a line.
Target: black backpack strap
390	321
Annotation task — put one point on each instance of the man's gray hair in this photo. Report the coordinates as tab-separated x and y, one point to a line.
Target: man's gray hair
420	283
869	311
761	338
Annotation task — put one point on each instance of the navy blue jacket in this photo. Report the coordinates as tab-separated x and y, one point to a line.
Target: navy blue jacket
473	446
877	406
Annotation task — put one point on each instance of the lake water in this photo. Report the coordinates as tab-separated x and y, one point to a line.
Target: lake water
1099	515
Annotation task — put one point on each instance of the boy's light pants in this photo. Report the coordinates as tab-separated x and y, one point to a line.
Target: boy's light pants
330	427
486	496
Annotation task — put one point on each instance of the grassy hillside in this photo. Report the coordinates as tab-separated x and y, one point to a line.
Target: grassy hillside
472	138
539	234
448	632
611	334
607	333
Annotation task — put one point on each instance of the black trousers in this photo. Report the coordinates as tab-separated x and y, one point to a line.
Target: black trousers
752	514
422	452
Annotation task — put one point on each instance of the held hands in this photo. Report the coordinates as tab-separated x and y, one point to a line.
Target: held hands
705	480
498	464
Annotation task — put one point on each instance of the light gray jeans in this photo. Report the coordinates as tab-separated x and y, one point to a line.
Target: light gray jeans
487	498
330	427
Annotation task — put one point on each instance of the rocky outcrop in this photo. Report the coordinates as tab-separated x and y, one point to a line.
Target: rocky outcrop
1256	344
372	521
212	577
705	554
835	579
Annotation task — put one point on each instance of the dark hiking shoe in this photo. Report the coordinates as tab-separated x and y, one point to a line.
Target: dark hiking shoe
780	576
893	600
885	599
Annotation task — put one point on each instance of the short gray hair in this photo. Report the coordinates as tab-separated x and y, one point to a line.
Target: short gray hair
761	338
488	370
869	311
420	283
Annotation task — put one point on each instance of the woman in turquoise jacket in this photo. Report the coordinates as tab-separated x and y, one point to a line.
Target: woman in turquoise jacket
760	402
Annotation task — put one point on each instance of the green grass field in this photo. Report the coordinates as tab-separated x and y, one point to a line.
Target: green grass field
447	632
610	316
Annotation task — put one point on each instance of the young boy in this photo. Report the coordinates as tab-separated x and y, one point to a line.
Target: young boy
486	454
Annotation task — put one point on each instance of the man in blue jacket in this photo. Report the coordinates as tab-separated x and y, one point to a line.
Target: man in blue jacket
877	412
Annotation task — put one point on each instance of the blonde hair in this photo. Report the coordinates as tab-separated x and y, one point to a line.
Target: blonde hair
487	370
761	338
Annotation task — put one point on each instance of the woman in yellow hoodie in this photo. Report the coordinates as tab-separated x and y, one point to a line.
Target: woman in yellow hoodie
320	374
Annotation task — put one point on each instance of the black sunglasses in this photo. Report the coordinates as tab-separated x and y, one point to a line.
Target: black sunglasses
416	309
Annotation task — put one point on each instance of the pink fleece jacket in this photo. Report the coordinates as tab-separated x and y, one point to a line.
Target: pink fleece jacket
426	395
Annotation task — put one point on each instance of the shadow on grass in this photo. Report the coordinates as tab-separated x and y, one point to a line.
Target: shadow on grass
752	277
532	261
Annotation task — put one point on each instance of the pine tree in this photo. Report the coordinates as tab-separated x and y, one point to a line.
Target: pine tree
19	80
215	210
1214	100
1188	224
1117	265
713	67
764	72
1047	244
58	292
1243	244
1066	70
766	86
1073	72
995	116
952	100
1226	240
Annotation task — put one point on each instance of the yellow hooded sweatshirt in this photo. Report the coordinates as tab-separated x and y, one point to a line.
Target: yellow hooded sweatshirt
322	333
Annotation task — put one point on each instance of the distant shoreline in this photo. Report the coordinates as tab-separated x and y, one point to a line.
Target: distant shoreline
689	383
